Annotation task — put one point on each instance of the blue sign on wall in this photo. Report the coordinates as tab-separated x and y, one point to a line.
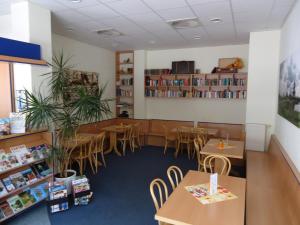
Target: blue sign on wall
20	49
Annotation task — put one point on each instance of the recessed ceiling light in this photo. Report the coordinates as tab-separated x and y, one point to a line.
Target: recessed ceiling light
185	23
75	1
216	20
197	37
110	32
70	29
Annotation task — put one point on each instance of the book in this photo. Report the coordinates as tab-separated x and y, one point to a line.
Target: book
6	209
29	176
79	185
2	216
8	184
3	190
42	169
22	154
39	192
27	198
56	191
39	152
18	180
15	203
4	162
13	160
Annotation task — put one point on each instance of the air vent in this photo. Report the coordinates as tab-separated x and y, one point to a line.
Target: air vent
185	23
109	32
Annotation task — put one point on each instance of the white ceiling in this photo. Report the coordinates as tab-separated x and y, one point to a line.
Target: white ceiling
144	21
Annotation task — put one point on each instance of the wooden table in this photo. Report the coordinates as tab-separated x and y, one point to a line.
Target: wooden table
113	131
182	208
235	149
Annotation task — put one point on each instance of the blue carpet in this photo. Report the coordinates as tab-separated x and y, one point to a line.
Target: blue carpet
121	191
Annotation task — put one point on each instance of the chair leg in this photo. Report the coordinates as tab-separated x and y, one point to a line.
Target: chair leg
91	164
103	159
166	146
188	150
124	147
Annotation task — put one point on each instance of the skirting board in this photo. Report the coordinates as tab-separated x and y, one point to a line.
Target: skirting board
287	158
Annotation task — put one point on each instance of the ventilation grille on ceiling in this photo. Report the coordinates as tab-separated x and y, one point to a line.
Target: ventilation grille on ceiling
185	23
109	32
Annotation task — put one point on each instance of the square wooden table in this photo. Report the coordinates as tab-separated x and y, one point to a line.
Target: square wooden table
181	208
235	149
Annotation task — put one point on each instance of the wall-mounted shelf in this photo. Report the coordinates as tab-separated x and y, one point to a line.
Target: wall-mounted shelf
211	86
125	82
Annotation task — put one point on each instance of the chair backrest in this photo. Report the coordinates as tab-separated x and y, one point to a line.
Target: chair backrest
210	163
162	191
127	131
174	171
99	142
184	134
202	133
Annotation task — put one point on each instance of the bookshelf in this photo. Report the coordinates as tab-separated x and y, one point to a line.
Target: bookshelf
30	139
125	82
209	86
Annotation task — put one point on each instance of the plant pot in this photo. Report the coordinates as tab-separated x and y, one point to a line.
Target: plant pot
71	175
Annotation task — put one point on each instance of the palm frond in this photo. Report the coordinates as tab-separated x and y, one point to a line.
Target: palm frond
40	111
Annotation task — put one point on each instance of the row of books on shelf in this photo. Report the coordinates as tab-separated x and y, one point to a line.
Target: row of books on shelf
125	82
19	202
122	92
155	83
197	94
21	155
23	178
220	94
220	82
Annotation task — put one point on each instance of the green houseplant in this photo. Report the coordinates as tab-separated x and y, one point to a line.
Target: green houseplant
60	114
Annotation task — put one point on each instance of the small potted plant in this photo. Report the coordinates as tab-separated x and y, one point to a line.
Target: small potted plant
62	115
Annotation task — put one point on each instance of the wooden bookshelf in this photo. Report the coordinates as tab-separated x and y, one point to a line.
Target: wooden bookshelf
30	139
209	86
125	82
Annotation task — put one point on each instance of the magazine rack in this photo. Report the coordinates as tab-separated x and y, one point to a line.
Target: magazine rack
30	139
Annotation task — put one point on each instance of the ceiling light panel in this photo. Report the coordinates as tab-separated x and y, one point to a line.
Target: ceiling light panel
185	23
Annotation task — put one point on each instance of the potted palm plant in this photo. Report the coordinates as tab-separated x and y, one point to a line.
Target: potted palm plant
61	114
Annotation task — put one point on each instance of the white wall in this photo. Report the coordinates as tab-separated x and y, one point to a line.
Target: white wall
89	58
5	26
262	84
209	110
286	132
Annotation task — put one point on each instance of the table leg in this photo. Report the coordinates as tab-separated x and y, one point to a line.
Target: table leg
115	147
111	143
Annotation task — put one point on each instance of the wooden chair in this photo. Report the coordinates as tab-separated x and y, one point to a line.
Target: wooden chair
174	171
211	161
198	145
184	138
168	138
81	153
135	137
125	137
163	194
202	133
98	148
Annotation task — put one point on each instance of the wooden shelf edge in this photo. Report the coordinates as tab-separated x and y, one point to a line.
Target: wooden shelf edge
23	60
4	137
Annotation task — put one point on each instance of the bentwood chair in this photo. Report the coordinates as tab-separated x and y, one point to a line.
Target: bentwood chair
168	138
125	137
98	148
162	190
81	153
135	137
184	138
198	145
174	171
211	167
